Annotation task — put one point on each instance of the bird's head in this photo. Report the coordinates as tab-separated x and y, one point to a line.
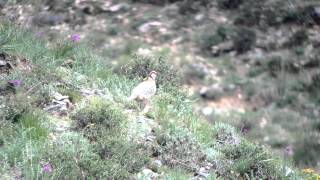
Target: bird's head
152	75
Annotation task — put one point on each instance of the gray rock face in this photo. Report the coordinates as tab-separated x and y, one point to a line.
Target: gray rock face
211	93
46	18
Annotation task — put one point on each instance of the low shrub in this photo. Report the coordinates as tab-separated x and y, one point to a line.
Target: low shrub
210	37
253	161
73	157
306	149
297	39
130	156
98	112
15	107
179	149
140	67
244	39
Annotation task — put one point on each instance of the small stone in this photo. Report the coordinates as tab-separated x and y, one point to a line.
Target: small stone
207	111
211	93
199	17
147	26
203	172
57	96
3	63
158	162
117	7
147	174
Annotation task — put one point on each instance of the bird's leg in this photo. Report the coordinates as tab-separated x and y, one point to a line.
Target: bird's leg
147	106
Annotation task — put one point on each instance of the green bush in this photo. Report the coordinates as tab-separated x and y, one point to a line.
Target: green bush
115	148
297	39
307	149
15	107
100	113
73	157
210	37
8	131
140	67
244	39
179	149
254	161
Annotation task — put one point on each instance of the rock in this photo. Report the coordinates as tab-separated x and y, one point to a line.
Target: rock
157	162
46	18
207	111
199	17
60	105
147	174
118	7
222	48
203	172
211	93
58	97
3	63
229	87
147	26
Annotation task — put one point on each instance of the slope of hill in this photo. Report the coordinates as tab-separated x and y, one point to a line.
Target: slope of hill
251	67
72	121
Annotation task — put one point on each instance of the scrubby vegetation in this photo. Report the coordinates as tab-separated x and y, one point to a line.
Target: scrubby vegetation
96	144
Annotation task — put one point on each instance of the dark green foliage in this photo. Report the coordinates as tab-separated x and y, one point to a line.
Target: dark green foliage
277	64
132	157
253	161
179	149
244	39
15	107
140	67
73	158
297	39
229	4
307	149
211	37
314	88
99	114
193	6
305	15
7	131
103	124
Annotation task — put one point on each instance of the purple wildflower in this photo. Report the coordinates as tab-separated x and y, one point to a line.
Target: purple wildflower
75	38
39	34
47	168
15	83
289	150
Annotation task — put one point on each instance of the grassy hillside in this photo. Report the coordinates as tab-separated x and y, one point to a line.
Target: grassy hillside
64	115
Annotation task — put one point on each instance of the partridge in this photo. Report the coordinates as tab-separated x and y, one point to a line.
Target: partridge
145	90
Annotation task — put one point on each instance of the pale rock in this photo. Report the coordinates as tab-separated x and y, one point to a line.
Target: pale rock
207	111
147	26
3	63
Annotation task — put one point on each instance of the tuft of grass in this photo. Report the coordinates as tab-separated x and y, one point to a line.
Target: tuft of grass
33	123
